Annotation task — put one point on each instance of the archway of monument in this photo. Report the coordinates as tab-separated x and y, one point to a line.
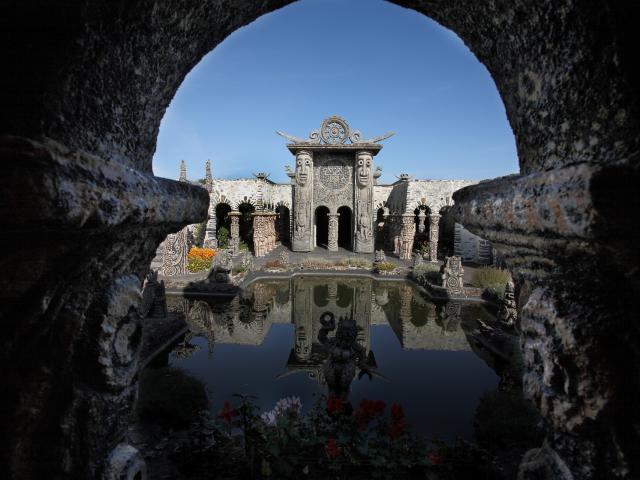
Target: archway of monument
321	225
345	228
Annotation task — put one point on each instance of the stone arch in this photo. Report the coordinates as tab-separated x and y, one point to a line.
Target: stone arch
568	83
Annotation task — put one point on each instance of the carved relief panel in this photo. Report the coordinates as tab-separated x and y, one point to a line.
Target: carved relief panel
303	205
333	179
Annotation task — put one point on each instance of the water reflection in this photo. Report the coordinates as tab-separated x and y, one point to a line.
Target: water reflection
309	335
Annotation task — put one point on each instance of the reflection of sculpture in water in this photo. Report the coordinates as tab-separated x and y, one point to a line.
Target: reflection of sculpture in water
344	354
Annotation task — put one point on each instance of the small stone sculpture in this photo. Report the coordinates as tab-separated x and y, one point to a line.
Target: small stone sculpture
380	256
452	276
284	258
154	299
417	260
221	268
344	354
508	314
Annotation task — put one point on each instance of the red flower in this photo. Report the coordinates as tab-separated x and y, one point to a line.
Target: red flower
332	450
367	411
435	458
397	427
227	413
334	404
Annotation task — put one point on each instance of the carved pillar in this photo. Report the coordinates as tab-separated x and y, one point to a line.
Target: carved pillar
332	244
272	231
434	223
210	235
406	237
303	203
183	171
260	241
421	218
234	242
363	214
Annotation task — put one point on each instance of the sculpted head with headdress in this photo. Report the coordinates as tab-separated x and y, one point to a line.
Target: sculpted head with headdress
304	166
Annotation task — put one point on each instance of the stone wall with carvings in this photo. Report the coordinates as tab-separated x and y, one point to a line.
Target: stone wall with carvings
333	180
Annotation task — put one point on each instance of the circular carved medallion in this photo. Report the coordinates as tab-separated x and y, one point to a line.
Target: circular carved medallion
334	175
334	130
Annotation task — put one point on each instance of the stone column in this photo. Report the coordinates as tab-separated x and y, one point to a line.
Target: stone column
272	230
421	218
303	239
235	232
407	235
332	244
211	230
363	203
434	222
260	242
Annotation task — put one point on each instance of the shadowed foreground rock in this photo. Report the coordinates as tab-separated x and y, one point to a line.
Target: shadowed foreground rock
84	90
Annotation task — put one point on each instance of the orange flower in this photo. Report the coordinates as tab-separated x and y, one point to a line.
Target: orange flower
203	254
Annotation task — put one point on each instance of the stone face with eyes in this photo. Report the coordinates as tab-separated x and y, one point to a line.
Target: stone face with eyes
304	164
363	169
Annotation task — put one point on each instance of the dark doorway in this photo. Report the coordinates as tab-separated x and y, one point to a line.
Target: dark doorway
223	228
246	225
322	226
284	228
344	227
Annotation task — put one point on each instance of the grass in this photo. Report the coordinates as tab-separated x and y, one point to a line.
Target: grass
354	262
316	263
274	265
491	279
427	273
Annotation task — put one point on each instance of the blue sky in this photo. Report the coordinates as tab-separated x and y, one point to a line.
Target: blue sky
379	66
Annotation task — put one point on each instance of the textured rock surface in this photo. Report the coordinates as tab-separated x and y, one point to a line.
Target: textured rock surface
87	87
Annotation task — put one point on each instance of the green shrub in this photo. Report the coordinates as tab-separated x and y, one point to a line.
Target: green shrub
201	230
238	269
243	246
223	237
426	273
386	267
491	279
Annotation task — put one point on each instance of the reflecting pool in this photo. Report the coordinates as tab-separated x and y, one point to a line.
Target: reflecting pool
272	341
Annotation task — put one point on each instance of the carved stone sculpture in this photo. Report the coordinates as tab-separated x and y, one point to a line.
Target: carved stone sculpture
260	235
434	222
406	238
417	260
174	258
303	202
234	243
364	202
380	256
221	268
452	275
508	314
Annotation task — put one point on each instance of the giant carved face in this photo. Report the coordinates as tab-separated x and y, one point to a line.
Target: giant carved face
363	169
304	164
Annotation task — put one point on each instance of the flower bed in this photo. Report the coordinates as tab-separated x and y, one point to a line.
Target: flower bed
199	259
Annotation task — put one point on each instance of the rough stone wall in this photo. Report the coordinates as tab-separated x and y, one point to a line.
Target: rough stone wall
82	106
435	194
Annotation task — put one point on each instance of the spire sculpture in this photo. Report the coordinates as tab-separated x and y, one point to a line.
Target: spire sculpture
183	171
208	176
